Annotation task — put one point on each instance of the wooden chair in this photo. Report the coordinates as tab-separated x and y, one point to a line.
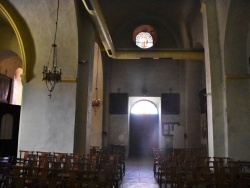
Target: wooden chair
116	161
57	174
234	173
94	184
94	150
158	156
5	166
205	176
171	174
75	179
25	154
42	178
21	176
220	178
43	153
109	174
245	174
44	160
59	155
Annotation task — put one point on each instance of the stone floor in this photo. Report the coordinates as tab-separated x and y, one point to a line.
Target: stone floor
139	174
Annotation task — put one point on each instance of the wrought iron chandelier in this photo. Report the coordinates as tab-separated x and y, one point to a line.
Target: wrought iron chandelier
96	102
52	76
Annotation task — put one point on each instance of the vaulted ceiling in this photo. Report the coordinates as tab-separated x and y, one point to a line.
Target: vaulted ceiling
116	20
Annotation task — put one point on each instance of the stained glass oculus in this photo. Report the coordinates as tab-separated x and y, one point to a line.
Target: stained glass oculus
144	40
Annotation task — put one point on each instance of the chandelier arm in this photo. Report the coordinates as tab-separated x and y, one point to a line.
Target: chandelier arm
49	86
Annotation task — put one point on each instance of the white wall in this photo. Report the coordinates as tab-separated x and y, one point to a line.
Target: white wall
48	124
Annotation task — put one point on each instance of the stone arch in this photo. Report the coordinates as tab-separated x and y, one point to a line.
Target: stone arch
24	38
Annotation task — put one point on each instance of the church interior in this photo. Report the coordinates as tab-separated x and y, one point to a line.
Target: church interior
134	78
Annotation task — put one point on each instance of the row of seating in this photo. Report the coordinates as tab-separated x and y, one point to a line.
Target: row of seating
187	168
99	168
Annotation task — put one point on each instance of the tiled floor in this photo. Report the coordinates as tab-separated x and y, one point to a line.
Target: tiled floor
139	174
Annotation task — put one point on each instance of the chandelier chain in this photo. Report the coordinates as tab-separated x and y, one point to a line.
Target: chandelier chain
96	102
54	44
57	13
97	62
53	76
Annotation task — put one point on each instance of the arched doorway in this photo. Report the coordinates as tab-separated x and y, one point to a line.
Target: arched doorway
144	129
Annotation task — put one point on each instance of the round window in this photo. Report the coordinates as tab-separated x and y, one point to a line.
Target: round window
144	36
144	40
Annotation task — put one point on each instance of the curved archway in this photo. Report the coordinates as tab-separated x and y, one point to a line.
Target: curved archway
144	107
24	38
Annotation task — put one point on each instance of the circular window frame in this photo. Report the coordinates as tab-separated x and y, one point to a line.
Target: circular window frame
147	36
144	40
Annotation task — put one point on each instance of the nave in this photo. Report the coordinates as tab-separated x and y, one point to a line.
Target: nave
166	168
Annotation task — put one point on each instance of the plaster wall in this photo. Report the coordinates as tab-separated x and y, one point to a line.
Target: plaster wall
193	81
48	124
237	87
155	77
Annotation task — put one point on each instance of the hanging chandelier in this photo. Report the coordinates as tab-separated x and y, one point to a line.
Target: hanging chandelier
52	75
96	102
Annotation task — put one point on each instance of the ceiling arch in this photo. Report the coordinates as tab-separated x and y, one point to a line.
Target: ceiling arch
95	10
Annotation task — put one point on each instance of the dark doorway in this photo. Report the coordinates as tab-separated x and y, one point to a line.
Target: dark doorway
9	131
144	134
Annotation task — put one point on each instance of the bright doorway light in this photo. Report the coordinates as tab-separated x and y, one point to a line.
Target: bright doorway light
144	107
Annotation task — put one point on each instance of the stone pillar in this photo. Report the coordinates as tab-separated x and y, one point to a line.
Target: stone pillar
217	126
86	36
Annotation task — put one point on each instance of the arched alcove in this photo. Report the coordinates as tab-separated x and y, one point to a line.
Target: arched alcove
6	127
11	67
